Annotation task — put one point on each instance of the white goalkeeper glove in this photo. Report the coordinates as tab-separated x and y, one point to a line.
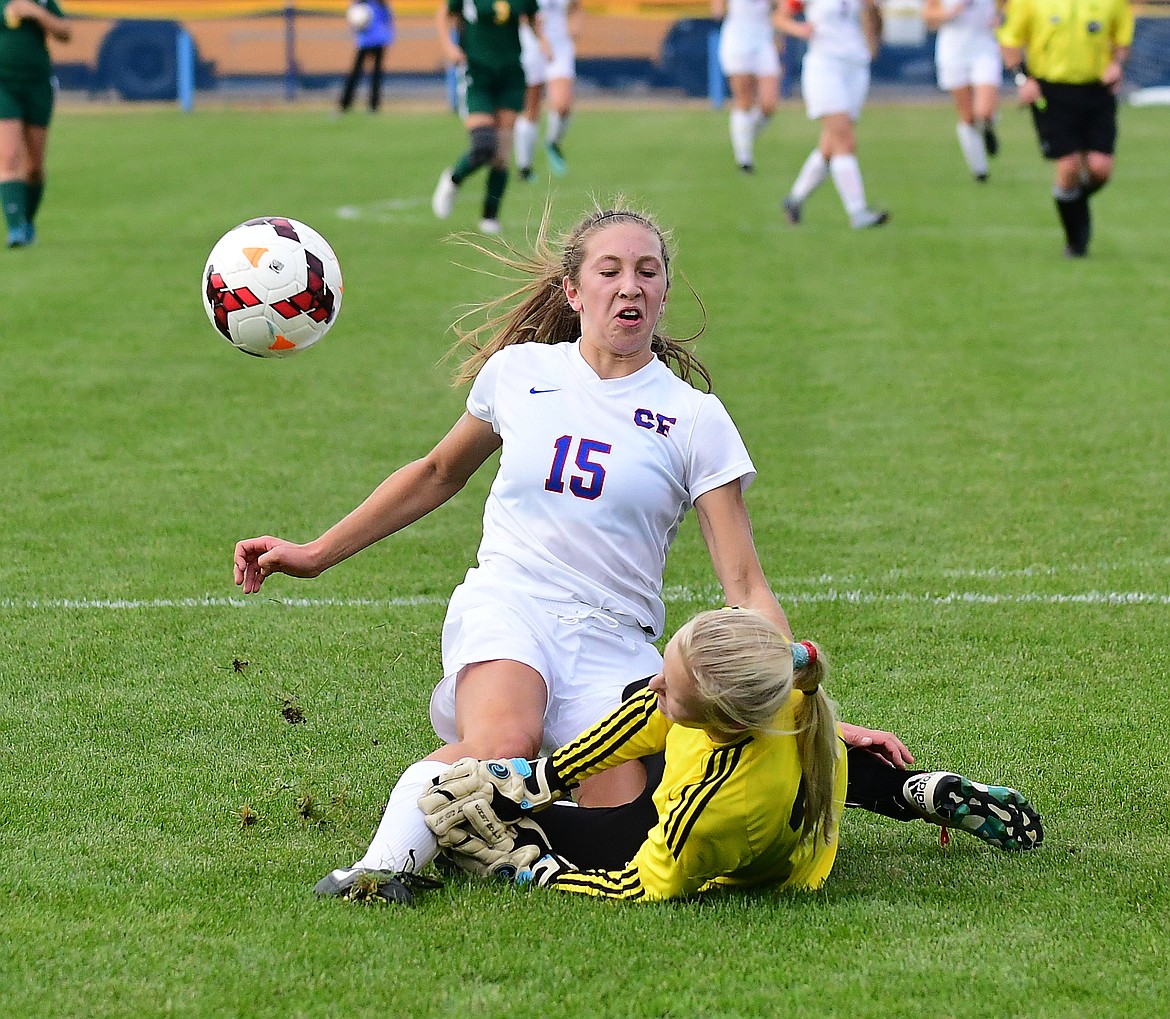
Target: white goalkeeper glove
488	795
526	844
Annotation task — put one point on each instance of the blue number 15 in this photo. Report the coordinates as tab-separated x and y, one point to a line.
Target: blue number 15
586	486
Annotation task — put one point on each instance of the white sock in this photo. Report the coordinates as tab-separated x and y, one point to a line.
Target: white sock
974	149
759	120
403	841
846	175
524	141
555	127
812	175
743	133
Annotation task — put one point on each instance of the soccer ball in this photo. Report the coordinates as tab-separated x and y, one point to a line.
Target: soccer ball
359	16
272	287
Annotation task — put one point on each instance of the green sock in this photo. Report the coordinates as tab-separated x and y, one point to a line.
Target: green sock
462	169
497	182
36	190
14	198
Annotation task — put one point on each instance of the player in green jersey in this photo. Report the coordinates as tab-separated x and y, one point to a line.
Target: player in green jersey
26	107
481	39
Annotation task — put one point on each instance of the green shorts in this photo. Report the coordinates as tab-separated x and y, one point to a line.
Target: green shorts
488	89
29	100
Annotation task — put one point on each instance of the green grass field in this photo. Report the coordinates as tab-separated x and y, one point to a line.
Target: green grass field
962	446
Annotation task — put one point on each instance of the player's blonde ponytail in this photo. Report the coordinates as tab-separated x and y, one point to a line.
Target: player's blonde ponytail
745	670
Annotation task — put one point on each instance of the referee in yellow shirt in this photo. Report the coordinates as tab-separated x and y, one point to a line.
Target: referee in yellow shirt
1075	54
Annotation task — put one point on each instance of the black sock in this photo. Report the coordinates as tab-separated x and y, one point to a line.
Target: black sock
1073	208
877	787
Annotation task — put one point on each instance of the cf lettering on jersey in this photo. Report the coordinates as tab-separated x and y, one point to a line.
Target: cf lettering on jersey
648	419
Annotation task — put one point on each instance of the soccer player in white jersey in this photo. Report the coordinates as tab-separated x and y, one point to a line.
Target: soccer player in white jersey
603	449
843	37
749	58
969	66
553	76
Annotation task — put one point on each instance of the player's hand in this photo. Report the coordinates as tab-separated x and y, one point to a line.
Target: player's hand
256	558
526	843
455	55
487	796
883	745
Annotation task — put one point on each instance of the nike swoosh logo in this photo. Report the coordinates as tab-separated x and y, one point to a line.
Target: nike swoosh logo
536	391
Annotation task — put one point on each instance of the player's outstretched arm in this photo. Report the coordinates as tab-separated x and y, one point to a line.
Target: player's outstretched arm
408	494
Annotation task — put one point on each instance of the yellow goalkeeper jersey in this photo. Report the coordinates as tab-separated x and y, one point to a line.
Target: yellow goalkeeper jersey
728	814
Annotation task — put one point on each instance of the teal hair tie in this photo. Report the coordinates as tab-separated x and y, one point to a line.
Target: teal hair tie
804	653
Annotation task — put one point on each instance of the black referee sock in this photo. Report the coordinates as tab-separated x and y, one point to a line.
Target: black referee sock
1073	206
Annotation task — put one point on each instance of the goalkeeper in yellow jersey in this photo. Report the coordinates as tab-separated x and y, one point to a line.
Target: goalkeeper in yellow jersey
746	774
752	789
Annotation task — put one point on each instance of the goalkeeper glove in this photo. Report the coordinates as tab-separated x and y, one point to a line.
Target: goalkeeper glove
526	844
488	795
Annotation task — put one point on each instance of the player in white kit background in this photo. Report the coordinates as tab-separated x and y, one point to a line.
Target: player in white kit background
603	450
970	67
843	36
751	62
552	77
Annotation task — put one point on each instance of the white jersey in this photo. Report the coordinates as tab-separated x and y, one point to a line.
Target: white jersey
975	18
751	17
555	19
747	40
966	50
555	16
596	475
837	30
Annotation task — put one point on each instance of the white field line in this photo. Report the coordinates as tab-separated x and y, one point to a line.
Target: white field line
676	594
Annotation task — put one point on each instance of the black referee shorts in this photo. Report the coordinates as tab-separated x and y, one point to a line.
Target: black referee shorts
1076	118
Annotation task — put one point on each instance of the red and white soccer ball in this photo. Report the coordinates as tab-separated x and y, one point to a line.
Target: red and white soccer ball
359	16
272	287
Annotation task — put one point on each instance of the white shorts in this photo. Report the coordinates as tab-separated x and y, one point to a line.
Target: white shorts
961	62
537	70
832	85
741	53
586	656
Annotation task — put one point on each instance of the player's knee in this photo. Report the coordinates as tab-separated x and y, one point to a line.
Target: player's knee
502	741
484	144
1100	166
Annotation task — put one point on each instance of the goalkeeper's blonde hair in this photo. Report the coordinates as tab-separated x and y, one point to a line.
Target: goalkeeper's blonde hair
743	669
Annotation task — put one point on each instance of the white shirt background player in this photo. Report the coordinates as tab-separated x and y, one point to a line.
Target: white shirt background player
969	66
749	58
554	77
842	36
